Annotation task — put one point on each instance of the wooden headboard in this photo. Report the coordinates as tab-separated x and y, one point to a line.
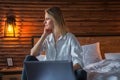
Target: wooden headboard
108	43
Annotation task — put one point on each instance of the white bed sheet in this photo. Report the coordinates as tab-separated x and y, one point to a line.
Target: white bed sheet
107	69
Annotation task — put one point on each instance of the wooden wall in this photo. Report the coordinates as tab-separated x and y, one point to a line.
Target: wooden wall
83	17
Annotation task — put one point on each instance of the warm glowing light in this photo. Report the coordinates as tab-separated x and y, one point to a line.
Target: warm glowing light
10	28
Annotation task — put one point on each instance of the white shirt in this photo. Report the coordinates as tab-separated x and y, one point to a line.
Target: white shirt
66	48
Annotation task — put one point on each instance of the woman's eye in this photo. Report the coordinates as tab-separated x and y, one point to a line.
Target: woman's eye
47	18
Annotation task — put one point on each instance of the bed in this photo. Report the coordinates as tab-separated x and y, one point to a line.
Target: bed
101	67
106	69
95	48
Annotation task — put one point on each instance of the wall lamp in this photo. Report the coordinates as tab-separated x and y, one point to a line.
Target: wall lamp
10	25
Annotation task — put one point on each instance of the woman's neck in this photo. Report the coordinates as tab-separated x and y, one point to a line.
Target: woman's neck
56	36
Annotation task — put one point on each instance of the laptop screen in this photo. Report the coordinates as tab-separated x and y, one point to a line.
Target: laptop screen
49	70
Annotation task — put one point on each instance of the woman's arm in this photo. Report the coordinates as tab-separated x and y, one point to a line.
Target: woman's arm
36	49
76	53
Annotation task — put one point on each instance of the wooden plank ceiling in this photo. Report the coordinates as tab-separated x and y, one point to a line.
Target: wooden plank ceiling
82	17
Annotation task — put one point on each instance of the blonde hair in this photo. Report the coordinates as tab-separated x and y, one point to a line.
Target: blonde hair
59	22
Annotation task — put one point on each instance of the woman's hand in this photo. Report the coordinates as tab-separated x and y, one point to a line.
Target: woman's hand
47	31
77	66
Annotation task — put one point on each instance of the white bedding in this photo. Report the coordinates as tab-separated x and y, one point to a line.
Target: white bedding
108	69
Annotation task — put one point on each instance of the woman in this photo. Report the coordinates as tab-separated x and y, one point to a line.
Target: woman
58	43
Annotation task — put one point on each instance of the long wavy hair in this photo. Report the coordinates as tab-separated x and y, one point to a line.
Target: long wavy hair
59	22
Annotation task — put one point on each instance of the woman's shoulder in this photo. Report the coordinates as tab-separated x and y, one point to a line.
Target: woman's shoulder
72	38
70	35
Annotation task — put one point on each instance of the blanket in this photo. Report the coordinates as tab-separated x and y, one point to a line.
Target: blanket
108	69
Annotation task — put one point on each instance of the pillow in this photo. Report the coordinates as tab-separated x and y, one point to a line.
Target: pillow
91	53
112	55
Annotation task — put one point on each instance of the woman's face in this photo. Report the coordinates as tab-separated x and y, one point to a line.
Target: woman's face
48	21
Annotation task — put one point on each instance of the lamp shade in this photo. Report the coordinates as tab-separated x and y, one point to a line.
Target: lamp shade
9	30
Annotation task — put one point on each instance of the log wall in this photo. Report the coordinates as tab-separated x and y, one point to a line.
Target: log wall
83	17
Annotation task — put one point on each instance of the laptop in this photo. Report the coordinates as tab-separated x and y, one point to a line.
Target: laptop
49	70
